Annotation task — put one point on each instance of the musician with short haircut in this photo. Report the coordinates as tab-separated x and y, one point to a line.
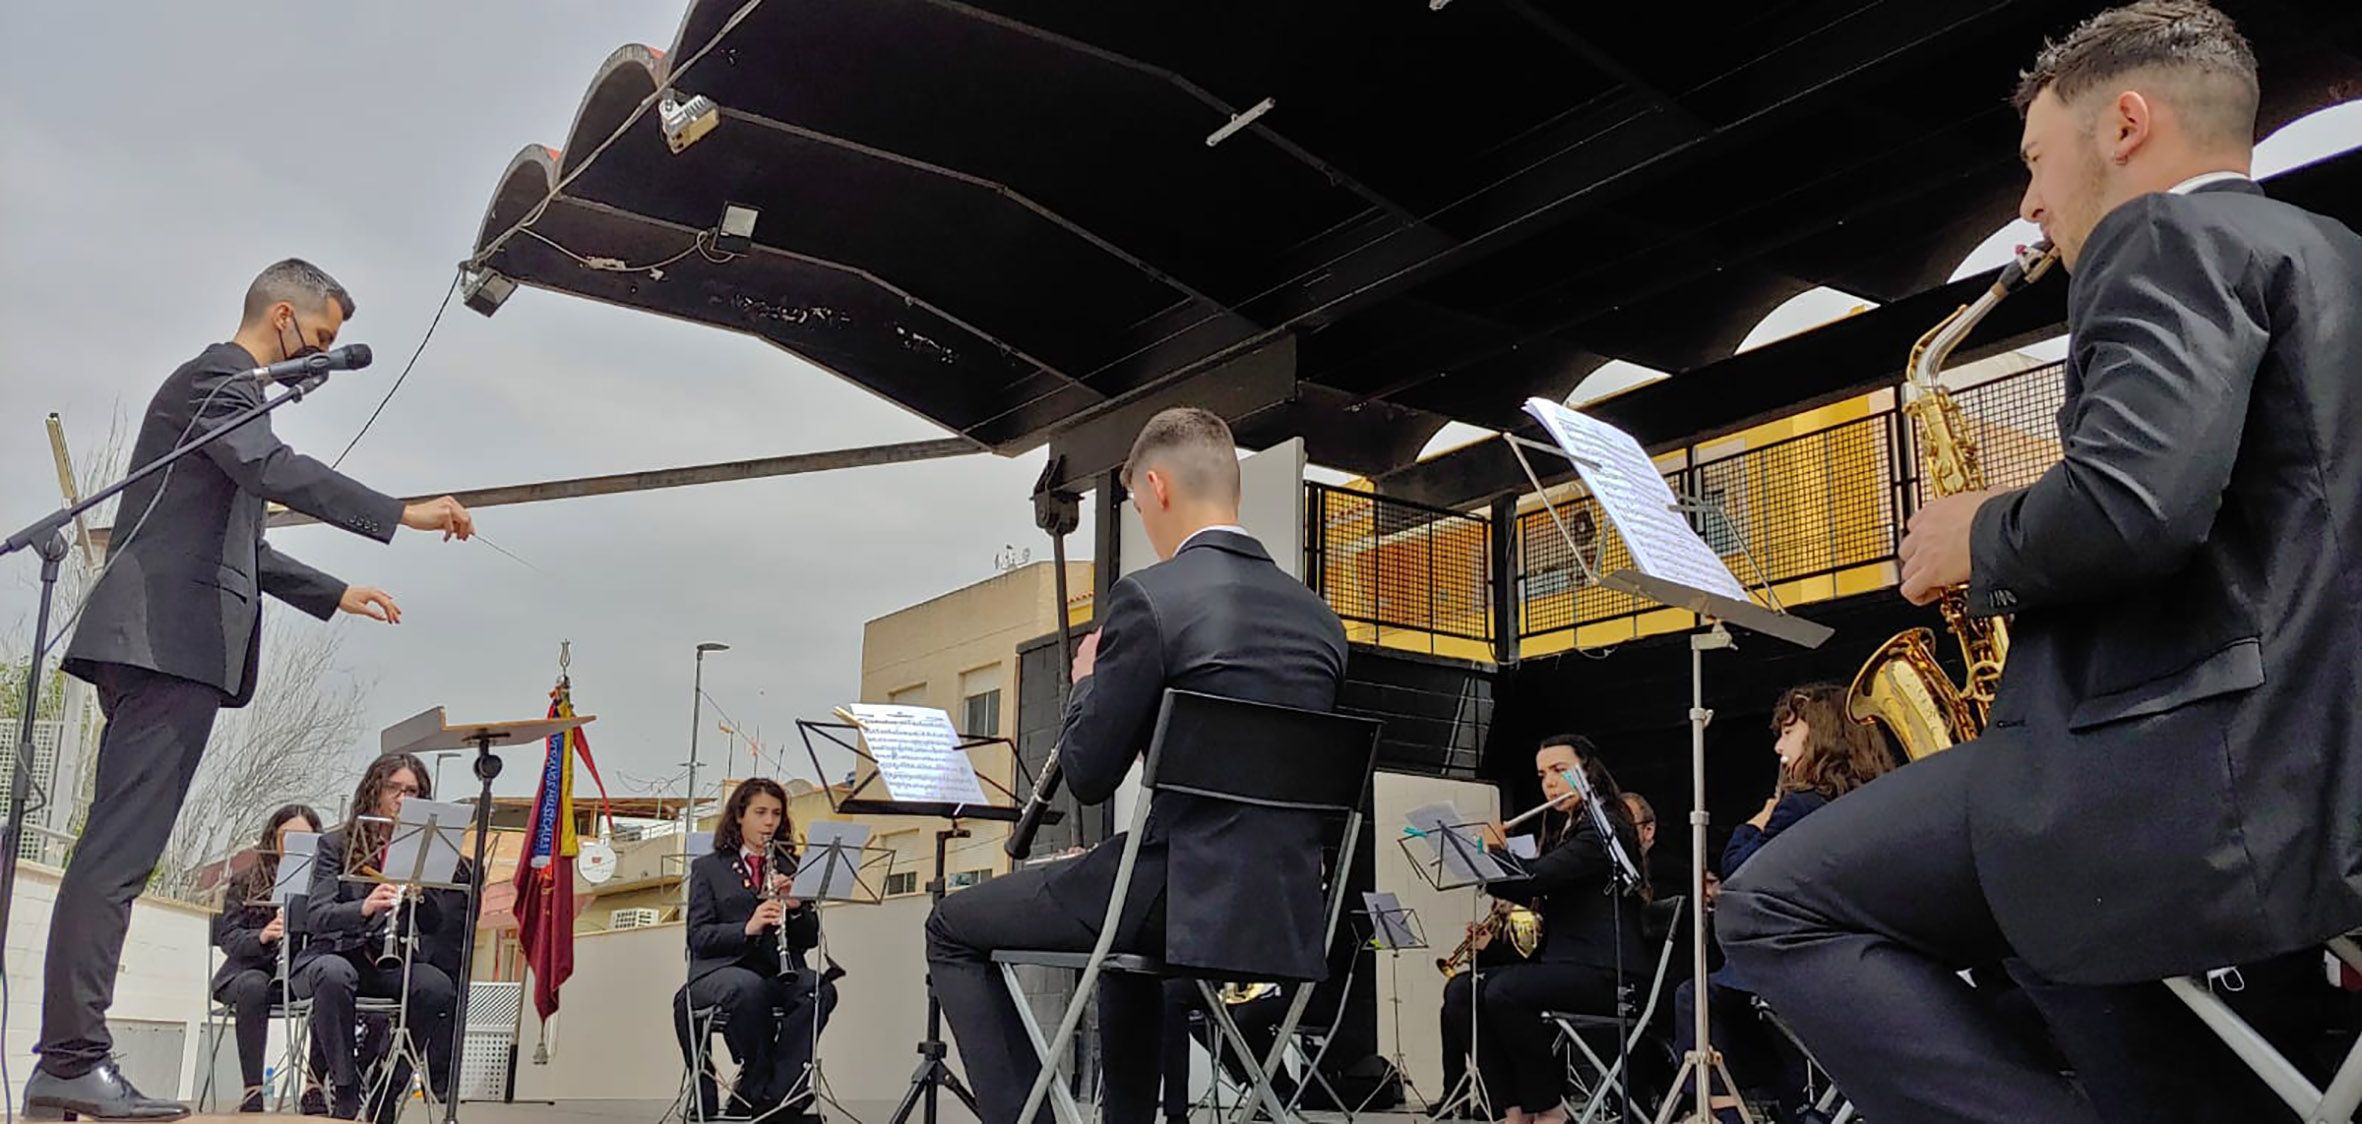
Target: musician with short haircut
1217	617
354	924
2171	771
746	953
171	635
1590	926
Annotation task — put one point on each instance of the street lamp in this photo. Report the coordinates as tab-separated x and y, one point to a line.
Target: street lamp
439	756
689	806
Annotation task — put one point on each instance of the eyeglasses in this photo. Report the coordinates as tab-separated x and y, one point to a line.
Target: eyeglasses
403	790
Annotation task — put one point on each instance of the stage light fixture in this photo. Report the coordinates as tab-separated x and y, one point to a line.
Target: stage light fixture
735	233
485	290
685	122
1239	121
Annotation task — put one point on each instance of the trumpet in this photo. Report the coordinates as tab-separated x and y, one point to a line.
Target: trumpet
1523	926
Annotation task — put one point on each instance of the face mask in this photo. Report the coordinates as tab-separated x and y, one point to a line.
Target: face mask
303	346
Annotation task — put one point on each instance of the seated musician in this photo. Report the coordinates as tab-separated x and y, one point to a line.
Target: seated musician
1823	755
746	954
1497	941
1586	933
352	923
249	931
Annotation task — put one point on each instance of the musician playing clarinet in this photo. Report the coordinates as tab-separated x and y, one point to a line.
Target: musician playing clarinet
746	955
355	922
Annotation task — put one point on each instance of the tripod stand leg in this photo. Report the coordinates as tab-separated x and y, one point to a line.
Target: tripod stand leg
1707	1067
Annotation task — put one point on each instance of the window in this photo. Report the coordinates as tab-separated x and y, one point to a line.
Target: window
967	878
981	714
906	882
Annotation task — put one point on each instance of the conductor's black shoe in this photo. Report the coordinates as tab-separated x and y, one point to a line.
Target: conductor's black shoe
314	1102
101	1094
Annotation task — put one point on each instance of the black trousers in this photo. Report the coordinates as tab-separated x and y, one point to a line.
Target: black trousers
1853	924
1513	1044
1258	1022
1750	1048
156	729
332	981
1016	911
770	1031
249	995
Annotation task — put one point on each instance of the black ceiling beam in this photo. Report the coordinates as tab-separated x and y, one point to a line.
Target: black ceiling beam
1835	362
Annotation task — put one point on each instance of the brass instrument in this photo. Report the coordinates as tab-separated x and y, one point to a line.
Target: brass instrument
1901	686
1234	994
1523	927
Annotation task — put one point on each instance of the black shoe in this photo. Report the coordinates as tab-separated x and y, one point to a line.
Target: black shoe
314	1102
253	1101
101	1094
347	1104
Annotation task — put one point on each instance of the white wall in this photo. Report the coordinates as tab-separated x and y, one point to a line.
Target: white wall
163	981
1442	915
613	1038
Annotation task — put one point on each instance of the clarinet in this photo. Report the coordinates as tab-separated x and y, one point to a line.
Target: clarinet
778	851
1019	845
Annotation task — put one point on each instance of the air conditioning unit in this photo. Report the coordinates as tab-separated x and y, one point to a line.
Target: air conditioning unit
636	918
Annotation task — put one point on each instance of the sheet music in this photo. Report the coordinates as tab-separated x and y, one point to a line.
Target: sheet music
1637	501
1459	850
439	845
296	849
918	753
831	859
1390	921
1525	847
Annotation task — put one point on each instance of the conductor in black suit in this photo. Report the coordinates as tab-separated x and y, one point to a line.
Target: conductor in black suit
1216	616
2171	775
172	633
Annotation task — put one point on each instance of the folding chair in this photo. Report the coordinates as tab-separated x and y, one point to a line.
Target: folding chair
1596	1078
1255	754
2334	1105
1829	1102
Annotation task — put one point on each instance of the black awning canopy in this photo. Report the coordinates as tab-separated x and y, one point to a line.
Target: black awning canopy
1004	215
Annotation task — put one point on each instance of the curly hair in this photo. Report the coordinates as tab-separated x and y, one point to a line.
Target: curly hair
1840	754
727	839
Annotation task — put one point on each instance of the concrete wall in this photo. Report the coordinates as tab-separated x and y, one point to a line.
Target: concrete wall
160	993
1443	916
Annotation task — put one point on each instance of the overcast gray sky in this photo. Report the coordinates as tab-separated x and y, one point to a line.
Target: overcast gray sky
154	156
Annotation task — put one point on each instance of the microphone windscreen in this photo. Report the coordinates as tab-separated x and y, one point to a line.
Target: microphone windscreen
357	355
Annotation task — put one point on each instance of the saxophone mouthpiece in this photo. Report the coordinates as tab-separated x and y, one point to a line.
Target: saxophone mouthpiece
2028	267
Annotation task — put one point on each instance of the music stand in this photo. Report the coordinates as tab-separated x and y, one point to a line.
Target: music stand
1394	929
289	894
1675	568
428	732
836	865
1459	860
934	1072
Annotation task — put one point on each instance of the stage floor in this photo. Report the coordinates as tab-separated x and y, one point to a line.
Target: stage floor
648	1112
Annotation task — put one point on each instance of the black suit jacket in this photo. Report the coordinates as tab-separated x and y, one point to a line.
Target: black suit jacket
721	898
2172	780
178	595
334	908
237	931
1218	618
1582	923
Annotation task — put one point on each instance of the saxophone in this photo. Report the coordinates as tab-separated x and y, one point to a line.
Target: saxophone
1902	687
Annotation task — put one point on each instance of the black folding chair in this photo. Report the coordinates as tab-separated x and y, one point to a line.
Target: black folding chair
1256	754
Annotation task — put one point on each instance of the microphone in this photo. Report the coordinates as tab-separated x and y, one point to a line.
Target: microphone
350	357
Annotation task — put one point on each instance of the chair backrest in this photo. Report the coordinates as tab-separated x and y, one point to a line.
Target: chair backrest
1261	754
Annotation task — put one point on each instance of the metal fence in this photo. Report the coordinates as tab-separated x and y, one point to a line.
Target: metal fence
1391	563
1803	507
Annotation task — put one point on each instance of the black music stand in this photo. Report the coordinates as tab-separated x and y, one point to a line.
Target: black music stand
934	1073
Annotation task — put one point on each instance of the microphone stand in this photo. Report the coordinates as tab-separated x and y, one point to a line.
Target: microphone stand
45	537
